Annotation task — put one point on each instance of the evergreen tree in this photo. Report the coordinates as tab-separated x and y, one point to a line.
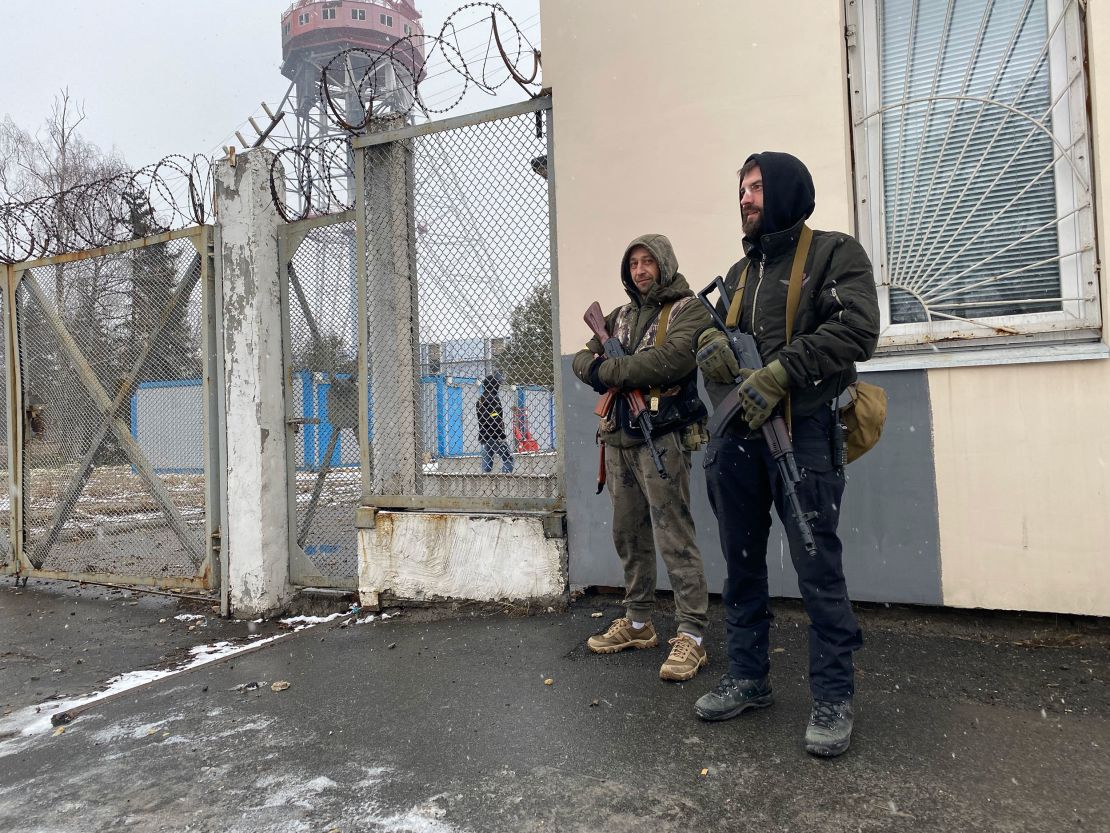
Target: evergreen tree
527	358
175	350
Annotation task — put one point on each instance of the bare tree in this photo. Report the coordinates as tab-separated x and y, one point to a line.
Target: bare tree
54	158
93	296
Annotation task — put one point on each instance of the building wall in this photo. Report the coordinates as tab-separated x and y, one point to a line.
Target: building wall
989	488
1022	474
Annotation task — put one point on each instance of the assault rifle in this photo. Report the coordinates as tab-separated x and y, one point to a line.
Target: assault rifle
637	406
775	432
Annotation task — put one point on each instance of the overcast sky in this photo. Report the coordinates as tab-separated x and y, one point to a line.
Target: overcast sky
159	77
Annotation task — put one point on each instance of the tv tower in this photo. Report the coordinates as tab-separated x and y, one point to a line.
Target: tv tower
314	32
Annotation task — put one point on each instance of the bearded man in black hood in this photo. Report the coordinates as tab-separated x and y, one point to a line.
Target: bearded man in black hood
836	325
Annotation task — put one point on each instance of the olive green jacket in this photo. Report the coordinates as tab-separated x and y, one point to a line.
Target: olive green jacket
661	366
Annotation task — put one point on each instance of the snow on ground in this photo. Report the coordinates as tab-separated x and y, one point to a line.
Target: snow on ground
19	728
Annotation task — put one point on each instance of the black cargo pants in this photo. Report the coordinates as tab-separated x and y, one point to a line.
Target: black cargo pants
743	483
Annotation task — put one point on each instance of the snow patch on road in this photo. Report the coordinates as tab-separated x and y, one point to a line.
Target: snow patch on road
19	726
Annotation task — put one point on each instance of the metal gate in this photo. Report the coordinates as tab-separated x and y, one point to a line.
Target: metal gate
320	320
455	224
112	419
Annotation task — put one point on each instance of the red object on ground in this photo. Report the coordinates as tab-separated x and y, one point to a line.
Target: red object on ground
524	440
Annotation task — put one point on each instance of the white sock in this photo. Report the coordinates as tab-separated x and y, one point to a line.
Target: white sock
638	625
695	638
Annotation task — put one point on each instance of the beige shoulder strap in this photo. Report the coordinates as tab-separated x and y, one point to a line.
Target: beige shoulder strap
794	291
664	321
660	335
794	297
733	317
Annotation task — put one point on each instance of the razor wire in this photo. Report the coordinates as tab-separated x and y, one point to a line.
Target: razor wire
313	179
420	49
318	178
305	180
173	193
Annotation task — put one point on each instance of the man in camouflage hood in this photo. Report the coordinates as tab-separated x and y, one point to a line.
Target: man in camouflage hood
657	328
835	326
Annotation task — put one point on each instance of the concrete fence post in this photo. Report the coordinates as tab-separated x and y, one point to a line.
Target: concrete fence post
257	534
393	359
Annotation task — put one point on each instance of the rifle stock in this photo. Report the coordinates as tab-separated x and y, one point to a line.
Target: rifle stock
605	403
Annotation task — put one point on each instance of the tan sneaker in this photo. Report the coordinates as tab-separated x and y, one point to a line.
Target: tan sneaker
686	659
622	635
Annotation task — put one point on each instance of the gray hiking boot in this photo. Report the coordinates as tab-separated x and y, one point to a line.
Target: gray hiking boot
732	697
830	728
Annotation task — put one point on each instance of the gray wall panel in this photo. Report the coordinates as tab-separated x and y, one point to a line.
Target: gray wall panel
888	523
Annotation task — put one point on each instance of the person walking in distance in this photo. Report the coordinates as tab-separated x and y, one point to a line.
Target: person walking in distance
491	426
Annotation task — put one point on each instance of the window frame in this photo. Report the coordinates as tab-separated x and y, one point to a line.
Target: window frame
1079	319
358	15
386	20
328	14
303	19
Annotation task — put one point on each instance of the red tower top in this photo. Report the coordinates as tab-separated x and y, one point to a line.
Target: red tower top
315	29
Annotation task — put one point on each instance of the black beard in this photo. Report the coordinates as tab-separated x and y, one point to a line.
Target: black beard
752	226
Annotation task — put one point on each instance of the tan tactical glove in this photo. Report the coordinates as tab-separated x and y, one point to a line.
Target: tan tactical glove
762	391
715	357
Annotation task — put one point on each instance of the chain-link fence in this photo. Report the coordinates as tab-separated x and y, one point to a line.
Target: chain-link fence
113	362
460	356
322	357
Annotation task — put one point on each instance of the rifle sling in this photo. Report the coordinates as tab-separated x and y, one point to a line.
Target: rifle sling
793	295
660	336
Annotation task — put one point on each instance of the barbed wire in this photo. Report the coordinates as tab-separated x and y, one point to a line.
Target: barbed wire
318	178
405	59
311	180
108	211
305	180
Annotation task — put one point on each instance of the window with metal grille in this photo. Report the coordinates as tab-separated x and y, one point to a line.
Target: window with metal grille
973	168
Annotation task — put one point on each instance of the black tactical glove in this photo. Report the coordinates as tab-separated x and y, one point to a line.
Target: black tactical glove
595	380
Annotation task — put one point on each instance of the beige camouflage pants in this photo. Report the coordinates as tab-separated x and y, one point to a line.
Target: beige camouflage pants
650	512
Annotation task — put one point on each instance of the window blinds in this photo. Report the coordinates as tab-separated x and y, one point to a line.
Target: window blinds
968	159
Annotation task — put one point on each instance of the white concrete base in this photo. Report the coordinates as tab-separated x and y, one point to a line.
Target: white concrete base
423	555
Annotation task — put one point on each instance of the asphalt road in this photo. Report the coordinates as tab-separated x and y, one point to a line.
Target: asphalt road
966	722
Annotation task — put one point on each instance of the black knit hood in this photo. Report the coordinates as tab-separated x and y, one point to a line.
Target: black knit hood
788	194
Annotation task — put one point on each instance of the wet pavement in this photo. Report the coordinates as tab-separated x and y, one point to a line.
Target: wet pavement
443	723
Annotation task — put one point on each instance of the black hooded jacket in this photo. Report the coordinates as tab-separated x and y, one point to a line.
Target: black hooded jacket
837	322
491	422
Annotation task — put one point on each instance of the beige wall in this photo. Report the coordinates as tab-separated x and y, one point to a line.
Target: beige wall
654	114
657	104
1023	452
1023	484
